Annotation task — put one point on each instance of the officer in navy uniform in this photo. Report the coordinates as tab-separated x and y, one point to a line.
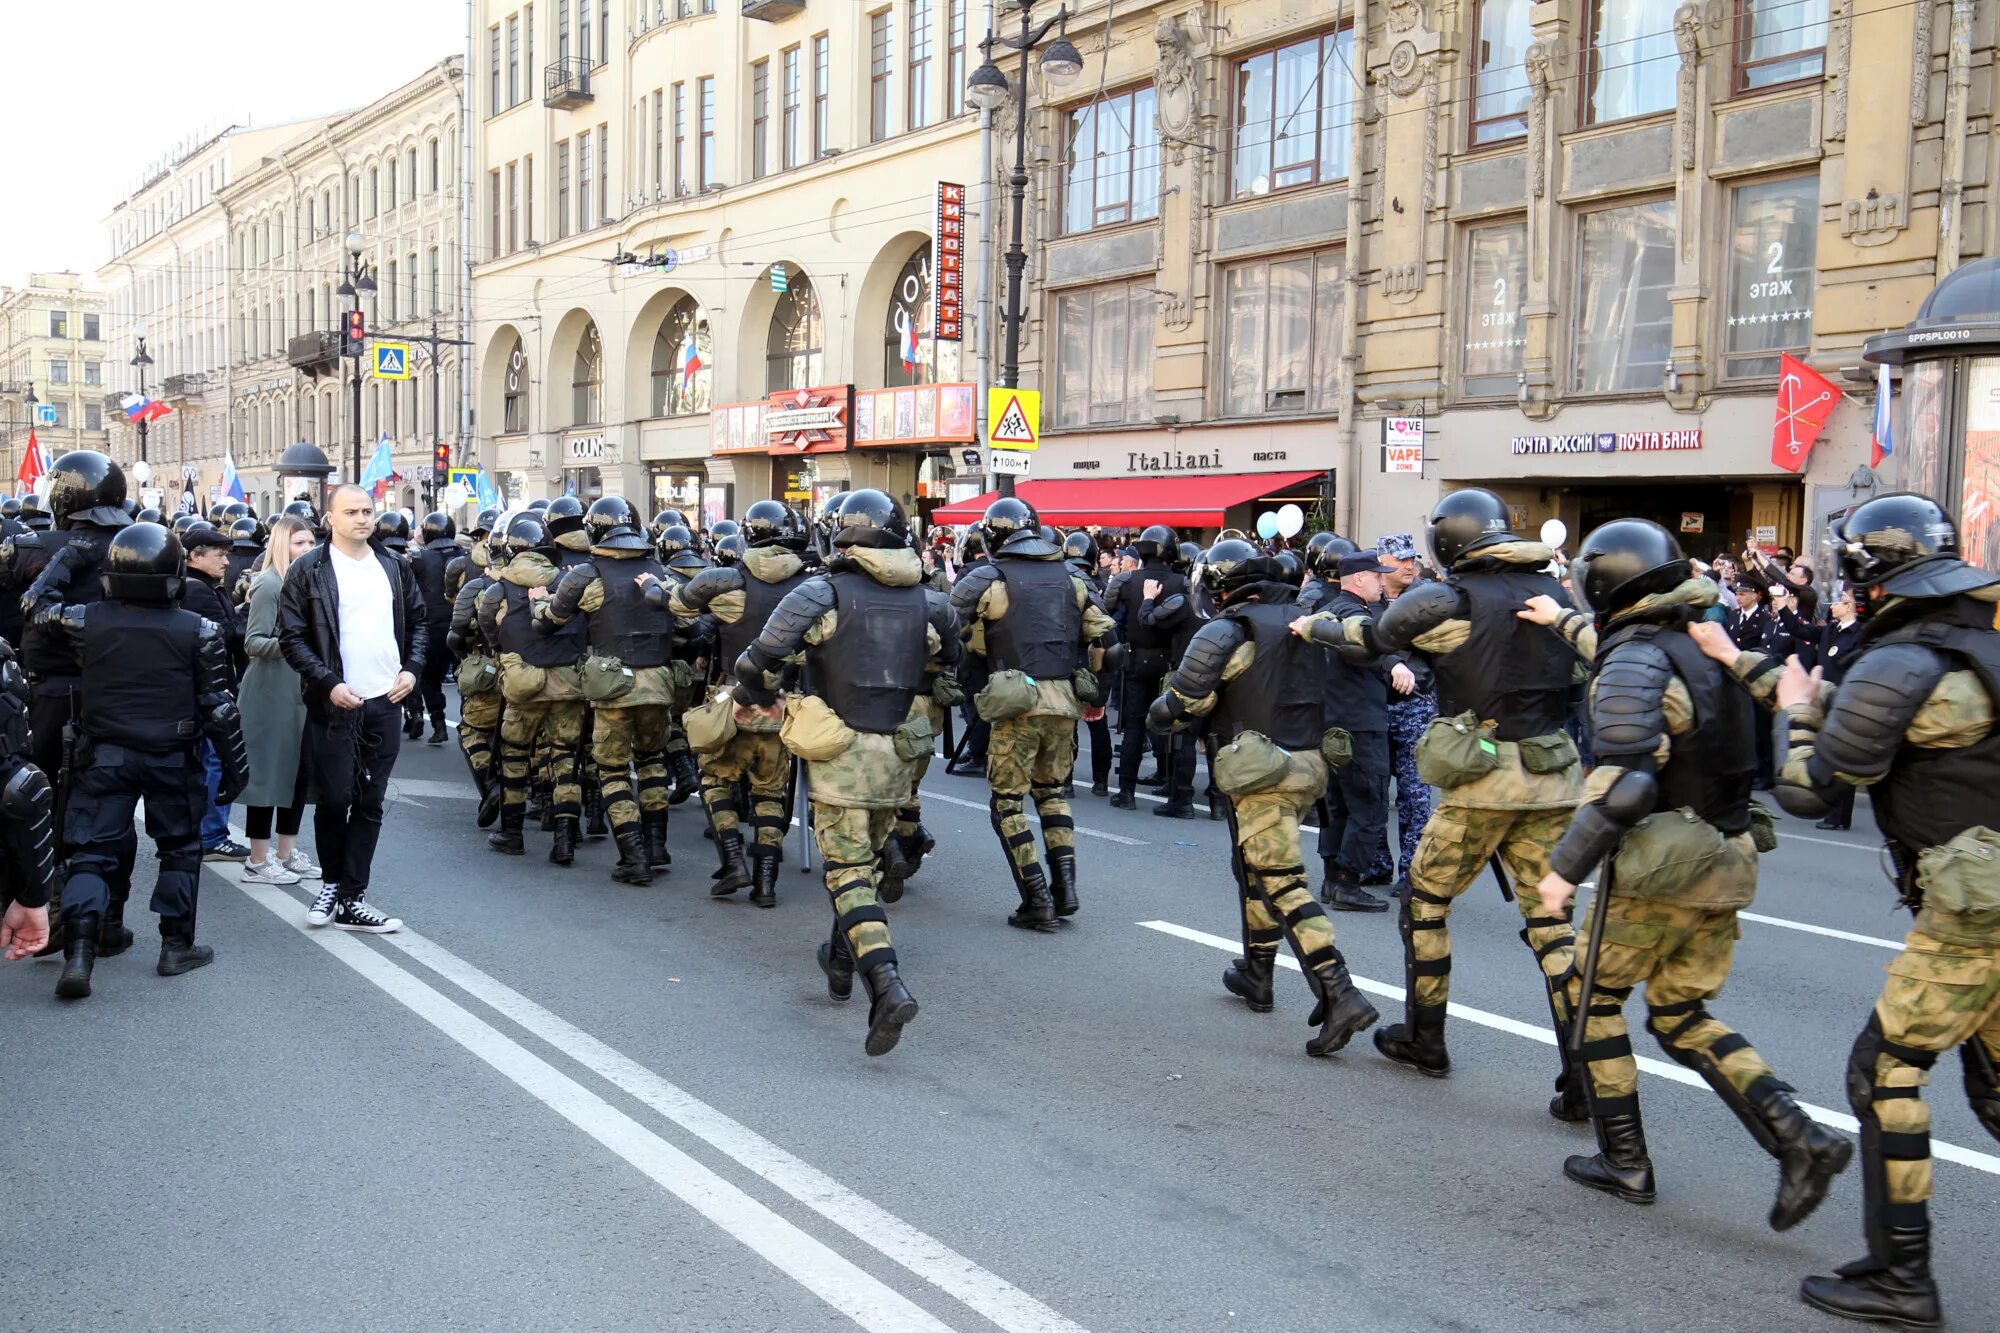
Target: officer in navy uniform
246	546
155	681
27	822
431	562
1080	554
1156	629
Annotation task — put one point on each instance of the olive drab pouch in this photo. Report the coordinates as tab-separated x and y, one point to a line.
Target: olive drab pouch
1009	694
604	679
1456	750
1666	853
523	684
813	731
712	725
1088	689
915	738
946	692
477	674
687	681
1337	748
1548	754
1763	829
1251	763
1963	875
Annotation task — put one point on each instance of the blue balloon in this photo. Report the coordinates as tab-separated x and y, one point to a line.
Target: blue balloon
1267	526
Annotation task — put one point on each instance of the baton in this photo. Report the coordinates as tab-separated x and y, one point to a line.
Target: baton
801	779
1600	902
1500	874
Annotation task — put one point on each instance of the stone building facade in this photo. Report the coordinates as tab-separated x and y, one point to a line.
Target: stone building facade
51	344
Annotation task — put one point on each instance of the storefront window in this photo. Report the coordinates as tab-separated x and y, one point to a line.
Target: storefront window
795	347
675	490
1500	76
910	354
1771	261
1293	107
1920	448
1114	162
683	361
1496	330
514	400
1633	64
585	483
1104	355
1281	335
1779	41
587	386
1625	267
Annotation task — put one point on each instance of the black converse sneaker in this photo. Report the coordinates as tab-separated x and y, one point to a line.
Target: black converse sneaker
321	911
358	915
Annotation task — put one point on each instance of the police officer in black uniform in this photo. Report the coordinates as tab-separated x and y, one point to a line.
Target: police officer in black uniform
472	556
246	547
1156	629
1356	697
1080	554
155	680
431	562
27	822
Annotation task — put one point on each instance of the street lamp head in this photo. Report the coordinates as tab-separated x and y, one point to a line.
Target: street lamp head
1061	61
987	88
344	289
354	244
139	331
31	400
367	281
142	359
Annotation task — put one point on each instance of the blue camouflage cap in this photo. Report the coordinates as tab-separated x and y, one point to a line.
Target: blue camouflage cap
1397	546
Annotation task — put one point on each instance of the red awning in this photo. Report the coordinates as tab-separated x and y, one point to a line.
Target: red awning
1130	502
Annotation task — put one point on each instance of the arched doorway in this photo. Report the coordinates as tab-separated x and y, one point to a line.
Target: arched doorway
587	380
910	355
683	361
795	346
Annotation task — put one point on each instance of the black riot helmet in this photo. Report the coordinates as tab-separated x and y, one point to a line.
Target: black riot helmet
687	561
1079	546
1464	520
182	522
607	515
33	515
1291	569
971	546
1904	544
10	507
131	508
674	539
143	564
1158	542
1323	553
143	516
87	487
772	523
538	505
731	549
1232	565
872	518
666	518
724	527
1005	517
393	530
303	511
483	525
564	515
1186	556
233	510
526	532
246	534
438	527
1623	561
218	516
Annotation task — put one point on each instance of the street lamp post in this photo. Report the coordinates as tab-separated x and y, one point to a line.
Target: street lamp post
988	89
28	406
140	362
360	278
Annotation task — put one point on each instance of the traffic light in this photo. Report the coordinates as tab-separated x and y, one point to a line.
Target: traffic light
441	464
353	333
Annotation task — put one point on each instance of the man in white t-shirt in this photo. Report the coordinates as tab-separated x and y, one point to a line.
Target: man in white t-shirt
351	623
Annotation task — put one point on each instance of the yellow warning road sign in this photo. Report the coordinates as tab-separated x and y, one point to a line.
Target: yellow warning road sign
1014	418
392	361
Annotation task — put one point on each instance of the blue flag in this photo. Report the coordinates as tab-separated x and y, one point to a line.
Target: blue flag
484	492
380	467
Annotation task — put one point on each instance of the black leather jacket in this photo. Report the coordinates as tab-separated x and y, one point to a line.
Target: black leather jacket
309	622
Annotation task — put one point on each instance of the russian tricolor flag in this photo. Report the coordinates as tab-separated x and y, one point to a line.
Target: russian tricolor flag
1884	441
690	361
138	407
232	485
910	354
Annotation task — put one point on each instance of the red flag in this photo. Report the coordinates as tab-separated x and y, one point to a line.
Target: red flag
1806	399
33	464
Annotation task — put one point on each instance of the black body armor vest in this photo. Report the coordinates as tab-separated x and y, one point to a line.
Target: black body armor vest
1279	695
624	625
760	599
139	676
1509	672
518	635
429	566
47	650
873	666
1040	632
1712	769
1148	642
1931	796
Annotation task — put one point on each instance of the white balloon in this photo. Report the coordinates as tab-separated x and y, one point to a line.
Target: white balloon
1554	533
1267	526
1290	519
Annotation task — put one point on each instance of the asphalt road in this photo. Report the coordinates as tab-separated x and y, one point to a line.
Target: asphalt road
555	1101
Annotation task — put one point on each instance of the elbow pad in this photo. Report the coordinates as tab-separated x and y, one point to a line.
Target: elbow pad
1165	711
1423	608
1114	659
1601	823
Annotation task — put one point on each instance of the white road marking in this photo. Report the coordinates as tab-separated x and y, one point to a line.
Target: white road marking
1828	842
1827	931
932	794
841	1284
1540	1032
405	788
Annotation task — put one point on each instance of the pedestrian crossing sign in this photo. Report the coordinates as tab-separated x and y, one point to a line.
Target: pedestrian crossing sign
392	361
1014	418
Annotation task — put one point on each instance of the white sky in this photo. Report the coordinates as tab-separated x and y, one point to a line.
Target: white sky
96	89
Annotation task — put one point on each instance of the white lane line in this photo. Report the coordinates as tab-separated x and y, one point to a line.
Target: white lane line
932	794
865	1299
1540	1032
1829	842
1827	931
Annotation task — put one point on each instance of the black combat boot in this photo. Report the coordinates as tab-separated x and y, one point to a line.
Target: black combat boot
764	877
1037	910
507	838
1897	1289
437	729
655	824
1417	1042
631	867
1809	1154
686	774
1177	807
837	961
178	951
1062	882
916	847
893	1007
113	936
1342	892
593	807
895	868
1342	1010
79	956
1249	979
1124	800
1620	1165
1571	1104
563	850
548	812
489	801
735	866
413	724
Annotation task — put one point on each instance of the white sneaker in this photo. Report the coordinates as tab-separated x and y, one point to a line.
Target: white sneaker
268	871
359	915
321	912
301	865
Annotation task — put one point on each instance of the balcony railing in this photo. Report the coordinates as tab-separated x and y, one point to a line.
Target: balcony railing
314	353
566	84
194	384
772	11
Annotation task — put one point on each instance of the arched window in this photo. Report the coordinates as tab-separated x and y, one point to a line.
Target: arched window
795	349
910	355
514	391
683	361
587	385
326	211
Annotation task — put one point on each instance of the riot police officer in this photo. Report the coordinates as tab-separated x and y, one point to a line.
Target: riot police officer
27	822
472	554
155	680
1264	738
869	631
480	702
1080	554
1036	618
246	550
741	597
431	562
1159	621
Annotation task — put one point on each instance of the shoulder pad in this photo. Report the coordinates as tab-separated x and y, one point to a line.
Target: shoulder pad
802	606
1626	711
1418	610
1208	652
970	587
1877	700
711	583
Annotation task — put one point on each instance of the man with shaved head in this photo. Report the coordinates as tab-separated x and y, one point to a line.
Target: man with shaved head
351	623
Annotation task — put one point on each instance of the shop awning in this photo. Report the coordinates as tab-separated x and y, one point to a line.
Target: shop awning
1129	502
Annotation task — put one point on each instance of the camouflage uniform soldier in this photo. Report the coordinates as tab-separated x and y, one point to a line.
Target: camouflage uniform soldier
565	519
1035	617
1912	720
677	552
1508	773
626	676
480	701
1253	678
1670	800
869	630
472	553
741	598
538	676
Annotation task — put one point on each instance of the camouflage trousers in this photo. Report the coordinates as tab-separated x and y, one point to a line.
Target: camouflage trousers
1682	955
850	846
478	728
758	760
1451	857
1939	995
1026	756
910	815
1271	883
553	728
625	739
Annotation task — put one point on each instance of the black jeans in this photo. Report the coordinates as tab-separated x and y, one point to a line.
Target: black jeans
351	753
1357	803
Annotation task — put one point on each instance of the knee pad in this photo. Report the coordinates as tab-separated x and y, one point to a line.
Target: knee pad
1862	1091
1982	1084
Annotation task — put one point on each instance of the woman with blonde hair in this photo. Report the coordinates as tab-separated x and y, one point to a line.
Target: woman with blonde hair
274	722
